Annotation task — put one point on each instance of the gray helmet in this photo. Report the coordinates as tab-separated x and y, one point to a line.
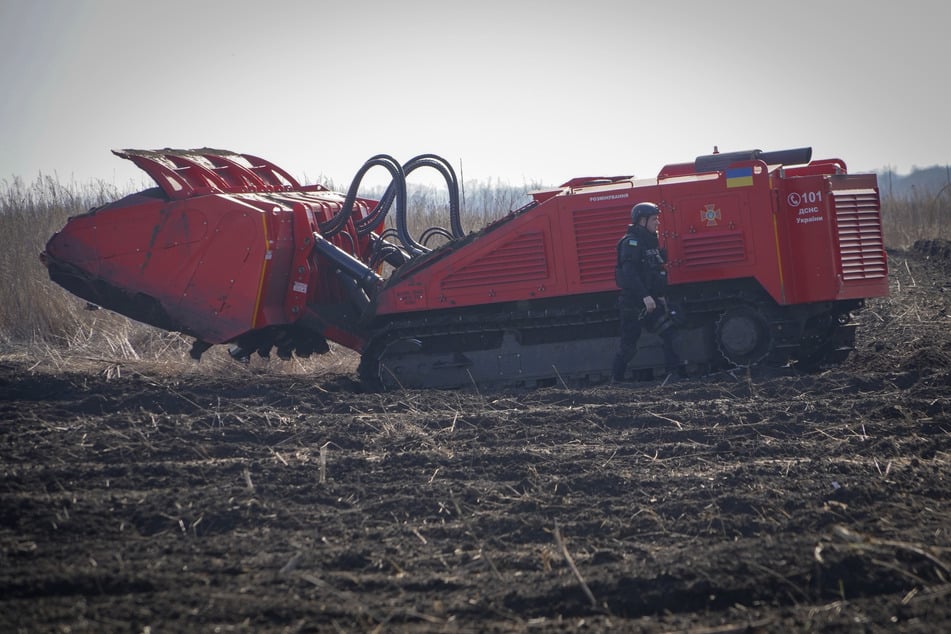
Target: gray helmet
643	210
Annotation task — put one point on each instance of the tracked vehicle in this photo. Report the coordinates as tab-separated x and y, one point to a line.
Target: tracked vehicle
769	254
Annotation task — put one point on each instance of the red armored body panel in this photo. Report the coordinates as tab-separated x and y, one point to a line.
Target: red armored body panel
805	235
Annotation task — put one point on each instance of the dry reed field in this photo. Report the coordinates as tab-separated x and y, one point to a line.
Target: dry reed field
142	492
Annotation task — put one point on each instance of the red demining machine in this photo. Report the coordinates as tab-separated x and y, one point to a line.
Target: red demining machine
769	253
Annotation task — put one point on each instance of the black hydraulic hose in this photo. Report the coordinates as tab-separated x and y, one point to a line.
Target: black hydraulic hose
442	166
386	252
432	232
381	250
423	160
397	186
333	226
352	241
375	217
389	233
402	230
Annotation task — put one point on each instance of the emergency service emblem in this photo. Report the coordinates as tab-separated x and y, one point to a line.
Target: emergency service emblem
711	215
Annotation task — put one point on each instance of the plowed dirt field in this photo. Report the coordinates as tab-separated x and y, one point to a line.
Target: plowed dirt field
165	497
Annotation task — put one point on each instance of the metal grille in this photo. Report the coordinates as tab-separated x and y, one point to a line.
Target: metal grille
859	225
597	233
713	249
515	261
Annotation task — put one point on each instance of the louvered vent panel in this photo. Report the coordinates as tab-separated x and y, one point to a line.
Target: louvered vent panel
713	249
517	261
859	224
596	234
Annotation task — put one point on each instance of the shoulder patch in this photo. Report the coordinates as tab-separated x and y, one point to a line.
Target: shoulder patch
632	242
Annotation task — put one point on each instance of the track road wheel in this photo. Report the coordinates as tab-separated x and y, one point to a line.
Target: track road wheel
742	336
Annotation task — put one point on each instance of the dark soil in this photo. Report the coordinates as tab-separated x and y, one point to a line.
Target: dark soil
147	497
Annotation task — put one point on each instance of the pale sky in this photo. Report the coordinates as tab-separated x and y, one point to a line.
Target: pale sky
519	91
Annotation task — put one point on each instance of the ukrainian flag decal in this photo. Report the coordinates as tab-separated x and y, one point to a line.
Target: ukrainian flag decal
739	177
